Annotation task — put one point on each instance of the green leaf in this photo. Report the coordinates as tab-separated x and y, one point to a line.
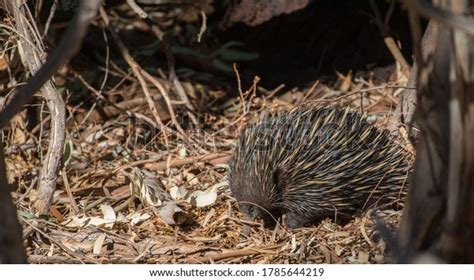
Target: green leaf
237	55
222	65
230	44
187	51
67	154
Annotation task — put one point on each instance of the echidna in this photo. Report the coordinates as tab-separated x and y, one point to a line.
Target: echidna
312	163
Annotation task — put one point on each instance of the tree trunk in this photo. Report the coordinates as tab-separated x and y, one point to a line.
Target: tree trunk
439	215
406	107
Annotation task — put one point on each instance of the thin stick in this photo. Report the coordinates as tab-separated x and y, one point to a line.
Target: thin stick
137	71
163	165
137	9
74	206
389	41
233	254
203	26
50	18
239	88
173	78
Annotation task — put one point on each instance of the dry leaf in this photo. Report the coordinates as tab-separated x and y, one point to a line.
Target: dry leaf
138	217
172	214
83	221
178	193
99	242
339	249
3	62
77	246
203	198
191	179
109	215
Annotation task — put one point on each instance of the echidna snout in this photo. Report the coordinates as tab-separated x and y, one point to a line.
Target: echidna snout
255	211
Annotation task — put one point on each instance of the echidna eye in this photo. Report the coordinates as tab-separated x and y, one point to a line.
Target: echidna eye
244	208
255	212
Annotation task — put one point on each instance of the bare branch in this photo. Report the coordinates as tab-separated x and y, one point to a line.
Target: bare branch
68	46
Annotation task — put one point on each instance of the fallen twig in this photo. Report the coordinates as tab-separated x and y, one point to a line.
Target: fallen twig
163	165
233	254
